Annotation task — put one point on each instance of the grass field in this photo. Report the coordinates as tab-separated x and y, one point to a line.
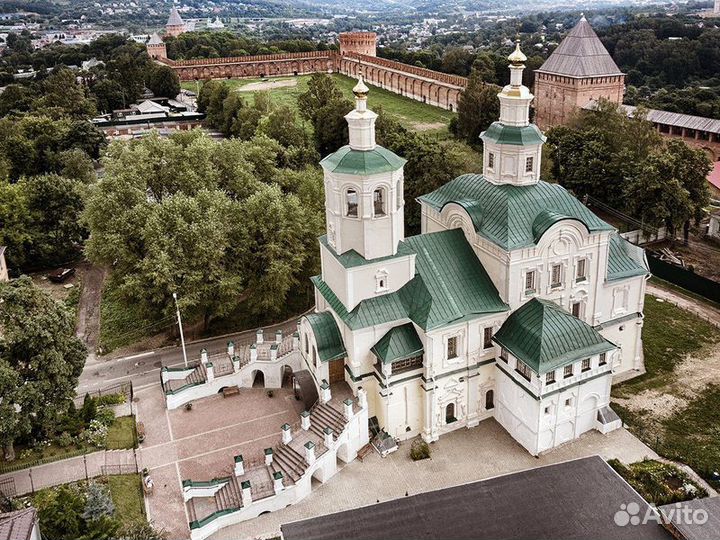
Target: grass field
412	114
121	434
127	495
673	406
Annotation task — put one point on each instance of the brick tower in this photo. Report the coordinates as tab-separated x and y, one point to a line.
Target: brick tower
156	47
358	42
580	70
175	25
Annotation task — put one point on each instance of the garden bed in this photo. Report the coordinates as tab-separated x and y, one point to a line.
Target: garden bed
659	483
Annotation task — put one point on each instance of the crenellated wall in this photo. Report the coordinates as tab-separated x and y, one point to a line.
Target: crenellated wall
356	56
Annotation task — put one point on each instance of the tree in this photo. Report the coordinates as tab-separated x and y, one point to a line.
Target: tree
321	91
38	343
63	96
60	512
324	105
142	530
163	81
478	107
98	502
484	67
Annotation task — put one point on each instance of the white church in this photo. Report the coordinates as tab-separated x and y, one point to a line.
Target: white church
516	301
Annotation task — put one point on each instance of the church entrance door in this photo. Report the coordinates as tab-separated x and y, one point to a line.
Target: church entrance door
337	371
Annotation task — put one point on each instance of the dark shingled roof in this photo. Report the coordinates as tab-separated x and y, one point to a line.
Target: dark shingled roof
17	525
581	54
572	500
710	530
546	337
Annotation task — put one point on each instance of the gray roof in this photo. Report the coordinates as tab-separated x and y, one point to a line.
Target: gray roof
155	39
545	502
695	531
174	19
687	121
581	54
18	525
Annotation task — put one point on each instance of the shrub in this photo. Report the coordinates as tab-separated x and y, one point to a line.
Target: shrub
96	434
112	399
65	439
419	450
98	502
105	416
89	409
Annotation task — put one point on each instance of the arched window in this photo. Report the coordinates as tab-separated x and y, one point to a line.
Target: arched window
307	345
351	202
314	356
489	400
398	194
379	202
450	413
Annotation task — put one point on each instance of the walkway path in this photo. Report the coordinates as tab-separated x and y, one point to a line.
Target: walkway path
701	309
70	470
88	326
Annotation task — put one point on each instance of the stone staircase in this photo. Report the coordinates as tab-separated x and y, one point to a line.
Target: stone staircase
289	462
325	415
229	496
197	376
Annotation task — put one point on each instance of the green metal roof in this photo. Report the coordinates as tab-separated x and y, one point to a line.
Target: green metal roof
352	259
546	337
400	343
329	341
362	162
515	135
625	259
450	285
512	216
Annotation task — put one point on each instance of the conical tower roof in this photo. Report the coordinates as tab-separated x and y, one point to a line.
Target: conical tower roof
174	19
581	54
155	39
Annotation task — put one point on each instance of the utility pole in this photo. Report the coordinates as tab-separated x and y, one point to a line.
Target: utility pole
182	336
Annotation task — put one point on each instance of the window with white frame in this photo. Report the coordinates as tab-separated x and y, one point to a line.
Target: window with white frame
585	366
523	369
603	359
581	270
504	355
379	202
576	309
491	160
568	371
398	195
487	337
452	347
529	164
307	345
556	276
530	281
550	377
351	203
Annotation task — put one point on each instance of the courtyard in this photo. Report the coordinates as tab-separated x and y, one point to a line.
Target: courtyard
200	444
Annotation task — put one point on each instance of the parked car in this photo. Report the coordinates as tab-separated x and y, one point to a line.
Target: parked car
61	275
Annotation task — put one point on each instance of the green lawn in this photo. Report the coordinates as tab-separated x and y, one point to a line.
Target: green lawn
121	433
412	114
670	333
691	433
127	495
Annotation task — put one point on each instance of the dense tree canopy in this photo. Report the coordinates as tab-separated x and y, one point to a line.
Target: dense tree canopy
40	361
628	165
219	223
478	107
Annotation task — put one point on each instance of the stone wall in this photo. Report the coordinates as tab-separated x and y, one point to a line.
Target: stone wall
557	97
357	55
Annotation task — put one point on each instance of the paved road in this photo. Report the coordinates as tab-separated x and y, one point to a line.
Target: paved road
143	368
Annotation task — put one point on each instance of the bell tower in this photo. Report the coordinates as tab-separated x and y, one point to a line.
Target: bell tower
364	189
364	213
512	147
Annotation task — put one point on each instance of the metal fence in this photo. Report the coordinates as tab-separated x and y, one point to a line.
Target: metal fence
7	488
121	409
684	278
103	463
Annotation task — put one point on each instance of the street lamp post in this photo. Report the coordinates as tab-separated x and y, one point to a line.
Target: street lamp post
182	336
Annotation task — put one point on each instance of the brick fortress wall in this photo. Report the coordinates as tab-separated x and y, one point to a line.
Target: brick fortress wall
357	55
